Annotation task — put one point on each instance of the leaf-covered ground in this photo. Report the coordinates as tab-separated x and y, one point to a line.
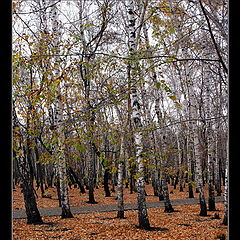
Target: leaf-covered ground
183	224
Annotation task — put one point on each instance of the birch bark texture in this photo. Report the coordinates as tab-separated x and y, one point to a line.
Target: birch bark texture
59	150
194	131
225	219
193	125
210	148
90	115
136	117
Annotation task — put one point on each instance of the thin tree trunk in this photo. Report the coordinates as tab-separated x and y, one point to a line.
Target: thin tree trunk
76	179
105	183
59	129
194	130
106	170
25	173
211	199
136	119
167	202
33	215
120	213
39	170
225	219
91	198
217	167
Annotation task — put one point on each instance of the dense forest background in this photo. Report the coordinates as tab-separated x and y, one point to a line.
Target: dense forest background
120	93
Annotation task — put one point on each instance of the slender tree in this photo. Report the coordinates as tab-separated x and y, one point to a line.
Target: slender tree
136	119
59	131
26	175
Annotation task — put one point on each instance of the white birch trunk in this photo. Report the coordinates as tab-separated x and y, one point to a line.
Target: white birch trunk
60	151
217	177
167	202
189	165
194	130
210	149
120	169
225	219
120	213
197	152
136	119
90	117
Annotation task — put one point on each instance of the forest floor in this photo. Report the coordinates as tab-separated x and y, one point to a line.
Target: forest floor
183	224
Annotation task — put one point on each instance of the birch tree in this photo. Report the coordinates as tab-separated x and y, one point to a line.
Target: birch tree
136	118
59	131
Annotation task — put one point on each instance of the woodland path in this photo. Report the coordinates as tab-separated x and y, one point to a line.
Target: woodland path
17	214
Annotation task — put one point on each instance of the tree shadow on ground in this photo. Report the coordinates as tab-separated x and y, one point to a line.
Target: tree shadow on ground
154	229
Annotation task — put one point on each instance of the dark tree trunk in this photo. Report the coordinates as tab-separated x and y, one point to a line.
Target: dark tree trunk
176	181
91	175
172	180
33	215
39	172
131	183
105	183
76	179
49	178
113	183
211	199
91	198
66	213
154	184
190	190
160	192
41	181
167	202
26	168
58	192
225	220
218	184
181	182
203	206
181	187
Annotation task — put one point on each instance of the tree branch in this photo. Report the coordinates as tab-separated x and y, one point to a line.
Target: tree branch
212	37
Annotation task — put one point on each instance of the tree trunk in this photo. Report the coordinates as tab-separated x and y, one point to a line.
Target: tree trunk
194	130
76	179
190	170
120	213
199	179
91	175
225	219
39	170
136	120
105	165
210	150
59	128
217	167
105	183
25	173
167	202
33	215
